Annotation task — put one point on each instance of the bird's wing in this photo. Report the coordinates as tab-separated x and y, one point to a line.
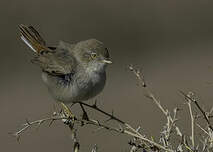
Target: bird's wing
54	60
59	61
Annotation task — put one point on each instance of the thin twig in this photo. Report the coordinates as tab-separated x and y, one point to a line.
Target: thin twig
133	132
94	106
171	121
37	123
192	124
139	75
198	106
202	129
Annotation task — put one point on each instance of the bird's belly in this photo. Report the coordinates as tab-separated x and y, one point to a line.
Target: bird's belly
78	90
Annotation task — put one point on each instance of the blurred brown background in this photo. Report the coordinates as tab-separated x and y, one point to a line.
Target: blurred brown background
170	40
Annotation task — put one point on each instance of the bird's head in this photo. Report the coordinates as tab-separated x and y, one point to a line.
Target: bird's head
93	54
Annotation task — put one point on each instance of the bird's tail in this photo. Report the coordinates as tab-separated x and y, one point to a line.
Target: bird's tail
32	38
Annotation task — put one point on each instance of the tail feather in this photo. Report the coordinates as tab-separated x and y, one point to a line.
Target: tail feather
37	35
32	38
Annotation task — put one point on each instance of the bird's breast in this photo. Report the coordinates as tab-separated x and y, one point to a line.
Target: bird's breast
77	88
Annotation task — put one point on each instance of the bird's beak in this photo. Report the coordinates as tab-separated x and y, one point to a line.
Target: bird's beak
107	61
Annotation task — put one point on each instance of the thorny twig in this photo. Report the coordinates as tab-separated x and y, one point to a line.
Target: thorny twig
199	107
171	121
76	145
128	130
95	148
139	140
150	95
192	124
37	123
135	147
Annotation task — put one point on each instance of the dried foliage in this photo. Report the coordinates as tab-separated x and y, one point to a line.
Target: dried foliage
139	141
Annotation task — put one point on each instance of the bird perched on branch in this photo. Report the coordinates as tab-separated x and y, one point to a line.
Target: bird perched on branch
71	72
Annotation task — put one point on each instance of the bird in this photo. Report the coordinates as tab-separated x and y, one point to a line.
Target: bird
72	72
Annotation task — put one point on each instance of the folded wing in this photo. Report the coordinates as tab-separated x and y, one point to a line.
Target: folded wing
54	60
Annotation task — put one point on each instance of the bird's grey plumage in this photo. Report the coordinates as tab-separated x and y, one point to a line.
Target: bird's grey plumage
71	72
58	61
79	83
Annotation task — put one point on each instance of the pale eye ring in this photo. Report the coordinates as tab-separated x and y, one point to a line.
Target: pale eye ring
93	55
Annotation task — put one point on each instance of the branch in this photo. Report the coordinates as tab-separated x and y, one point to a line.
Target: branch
198	106
70	120
129	131
171	121
37	123
140	77
94	106
192	124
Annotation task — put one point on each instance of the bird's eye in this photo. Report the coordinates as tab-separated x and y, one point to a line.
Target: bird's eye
93	55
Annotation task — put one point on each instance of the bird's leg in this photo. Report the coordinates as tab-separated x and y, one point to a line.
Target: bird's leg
66	110
85	115
67	113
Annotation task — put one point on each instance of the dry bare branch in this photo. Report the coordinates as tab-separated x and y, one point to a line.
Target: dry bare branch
139	140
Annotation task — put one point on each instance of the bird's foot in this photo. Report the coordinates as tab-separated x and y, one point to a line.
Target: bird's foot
69	117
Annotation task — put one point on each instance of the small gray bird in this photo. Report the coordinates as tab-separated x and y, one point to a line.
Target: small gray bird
71	72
